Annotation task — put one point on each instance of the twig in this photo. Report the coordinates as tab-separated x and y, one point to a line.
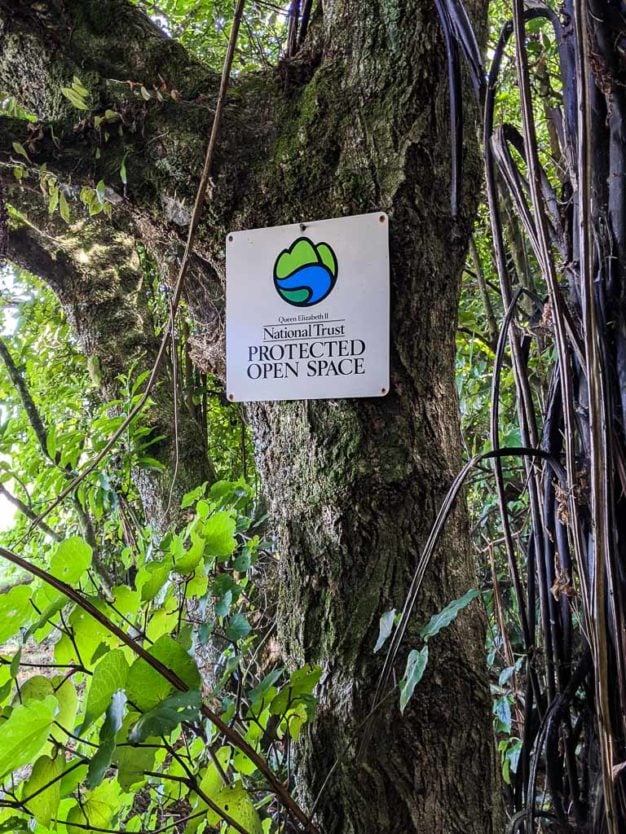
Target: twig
31	514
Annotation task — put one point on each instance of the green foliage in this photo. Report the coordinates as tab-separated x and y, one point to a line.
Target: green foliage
24	732
112	726
415	668
109	677
41	793
77	94
447	615
417	659
204	28
71	560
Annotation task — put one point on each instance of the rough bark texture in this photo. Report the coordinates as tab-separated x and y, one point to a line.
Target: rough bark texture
356	122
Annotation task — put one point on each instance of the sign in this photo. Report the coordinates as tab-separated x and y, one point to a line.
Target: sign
307	310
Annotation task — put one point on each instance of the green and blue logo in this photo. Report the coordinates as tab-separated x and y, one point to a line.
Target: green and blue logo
306	273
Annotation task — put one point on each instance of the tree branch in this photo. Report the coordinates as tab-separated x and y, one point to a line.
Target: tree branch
32	412
29	513
57	44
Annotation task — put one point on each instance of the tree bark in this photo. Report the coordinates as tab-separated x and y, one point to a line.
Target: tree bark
356	122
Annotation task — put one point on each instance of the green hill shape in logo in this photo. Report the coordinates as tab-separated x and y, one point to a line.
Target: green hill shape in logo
306	273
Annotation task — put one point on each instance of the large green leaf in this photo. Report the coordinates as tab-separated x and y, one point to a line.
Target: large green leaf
189	560
151	578
236	802
36	688
301	684
44	803
160	721
25	732
238	627
66	695
97	811
385	628
132	762
15	611
146	687
71	560
415	667
100	763
90	637
447	615
109	676
219	535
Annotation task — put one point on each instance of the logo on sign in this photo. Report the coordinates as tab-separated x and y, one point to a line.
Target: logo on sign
306	273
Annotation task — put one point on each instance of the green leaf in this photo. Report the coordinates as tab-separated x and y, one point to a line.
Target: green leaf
71	560
132	762
19	149
25	732
385	628
238	627
236	802
255	695
90	637
98	811
15	611
302	683
78	85
64	209
296	718
100	763
53	203
502	710
65	693
44	805
101	191
222	606
146	687
190	498
415	667
75	97
160	721
151	578
48	612
109	676
189	561
447	615
36	688
219	535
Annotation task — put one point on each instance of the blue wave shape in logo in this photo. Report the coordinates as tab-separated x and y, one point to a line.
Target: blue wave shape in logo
315	279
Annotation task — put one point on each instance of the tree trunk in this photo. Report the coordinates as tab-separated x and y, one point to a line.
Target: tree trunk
357	122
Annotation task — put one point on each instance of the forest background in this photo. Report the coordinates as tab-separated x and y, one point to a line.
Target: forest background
150	677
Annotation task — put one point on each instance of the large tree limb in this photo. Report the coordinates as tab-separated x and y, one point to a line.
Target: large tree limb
46	44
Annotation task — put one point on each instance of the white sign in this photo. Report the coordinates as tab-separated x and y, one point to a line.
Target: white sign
307	310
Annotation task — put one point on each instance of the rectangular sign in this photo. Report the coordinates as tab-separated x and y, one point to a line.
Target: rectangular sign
307	310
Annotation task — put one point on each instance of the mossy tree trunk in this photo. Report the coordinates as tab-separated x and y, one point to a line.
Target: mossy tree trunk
356	122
